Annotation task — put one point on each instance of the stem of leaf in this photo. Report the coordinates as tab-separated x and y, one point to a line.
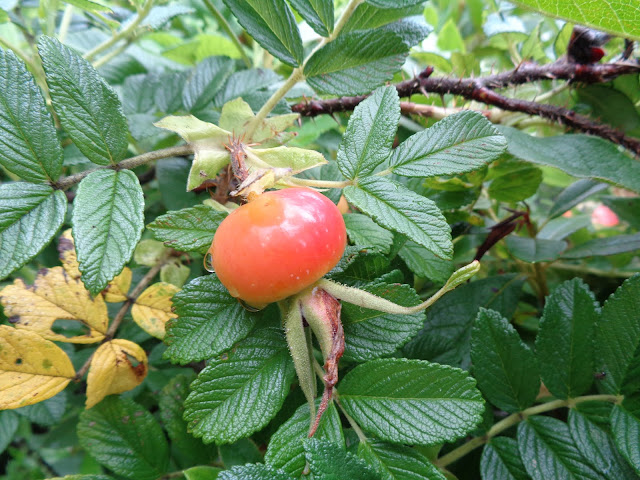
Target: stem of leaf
356	428
310	182
65	23
516	418
112	54
222	22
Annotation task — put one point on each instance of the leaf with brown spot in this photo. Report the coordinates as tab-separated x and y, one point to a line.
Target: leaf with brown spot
67	253
32	369
117	289
55	295
117	366
152	309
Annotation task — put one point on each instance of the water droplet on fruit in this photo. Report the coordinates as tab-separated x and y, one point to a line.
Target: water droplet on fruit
208	262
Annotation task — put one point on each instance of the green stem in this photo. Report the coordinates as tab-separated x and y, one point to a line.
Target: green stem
591	271
310	182
516	418
65	23
222	22
112	54
354	425
122	34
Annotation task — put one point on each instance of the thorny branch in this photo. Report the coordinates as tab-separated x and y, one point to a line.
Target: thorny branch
483	90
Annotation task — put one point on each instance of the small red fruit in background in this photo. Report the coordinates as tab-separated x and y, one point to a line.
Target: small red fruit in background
604	216
277	245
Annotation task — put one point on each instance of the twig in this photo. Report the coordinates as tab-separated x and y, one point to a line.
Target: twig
222	22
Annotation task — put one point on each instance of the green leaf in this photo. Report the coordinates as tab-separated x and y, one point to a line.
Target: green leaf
597	446
367	16
398	462
406	212
564	345
209	321
611	106
424	263
30	215
47	413
561	227
317	13
574	194
503	365
172	175
618	17
625	429
272	24
411	401
190	450
370	334
239	453
358	267
548	451
626	208
369	136
329	461
88	6
161	14
88	108
239	392
189	229
456	144
107	222
599	247
516	186
394	3
83	477
201	473
618	335
124	437
578	155
205	81
245	82
365	232
8	428
286	448
533	250
253	472
30	146
501	460
446	335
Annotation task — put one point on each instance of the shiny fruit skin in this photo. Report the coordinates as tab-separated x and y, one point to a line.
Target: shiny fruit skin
277	245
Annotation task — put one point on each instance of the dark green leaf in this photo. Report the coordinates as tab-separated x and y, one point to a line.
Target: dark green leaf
107	220
503	365
618	335
597	446
239	453
272	24
501	460
168	95
209	321
605	246
424	263
582	156
239	392
88	108
457	144
411	401
359	268
564	345
286	448
30	147
516	186
369	136
398	462
400	209
370	334
548	451
47	413
253	472
173	175
190	450
446	335
317	13
329	461
626	208
533	250
124	437
8	428
30	215
561	227
245	82
574	194
204	82
395	3
161	14
610	106
625	429
83	477
367	16
365	232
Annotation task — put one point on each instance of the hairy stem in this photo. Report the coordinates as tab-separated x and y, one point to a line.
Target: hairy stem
222	22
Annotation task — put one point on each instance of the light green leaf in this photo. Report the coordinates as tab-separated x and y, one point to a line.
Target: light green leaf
88	108
400	209
30	146
365	232
503	365
412	401
209	321
329	461
369	136
201	473
605	246
394	3
533	250
457	144
161	14
501	460
297	159
516	186
618	17
564	345
107	220
88	6
424	263
30	215
124	437
205	81
317	13
239	392
398	462
366	16
189	229
582	156
272	24
625	428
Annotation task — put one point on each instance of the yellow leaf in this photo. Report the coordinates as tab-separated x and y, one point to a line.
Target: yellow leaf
32	369
152	309
117	289
67	251
55	295
112	369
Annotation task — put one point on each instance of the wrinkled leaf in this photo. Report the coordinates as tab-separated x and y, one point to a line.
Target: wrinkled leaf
152	309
